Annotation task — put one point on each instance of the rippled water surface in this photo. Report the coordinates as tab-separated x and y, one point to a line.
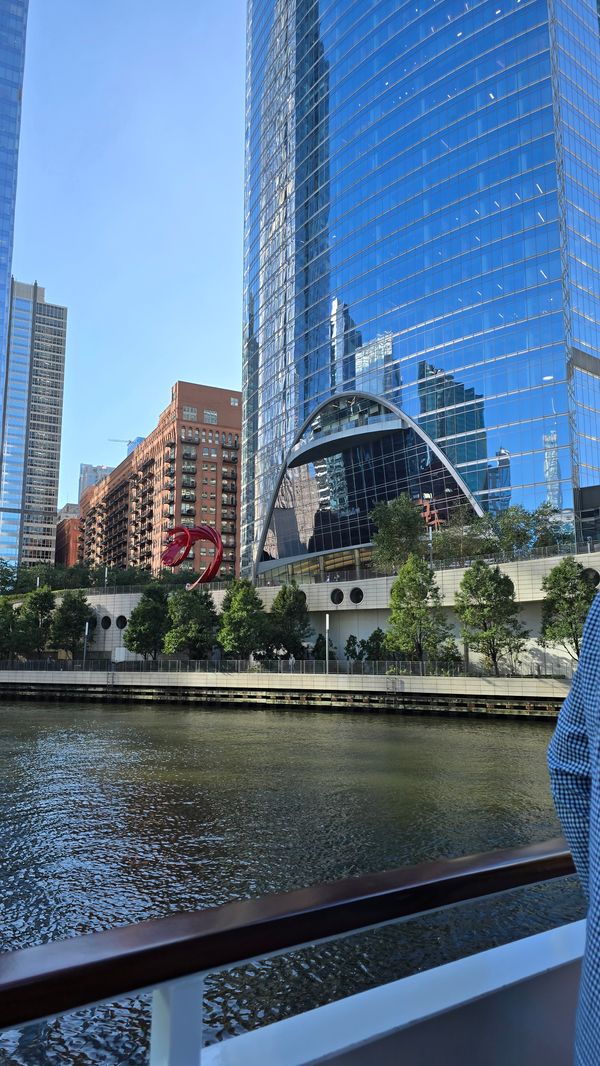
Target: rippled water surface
110	815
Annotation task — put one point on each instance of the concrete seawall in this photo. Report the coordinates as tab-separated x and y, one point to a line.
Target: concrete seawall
502	697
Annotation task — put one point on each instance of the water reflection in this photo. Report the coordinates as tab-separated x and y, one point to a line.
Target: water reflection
111	815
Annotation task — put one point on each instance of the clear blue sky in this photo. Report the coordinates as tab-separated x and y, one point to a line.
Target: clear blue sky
130	204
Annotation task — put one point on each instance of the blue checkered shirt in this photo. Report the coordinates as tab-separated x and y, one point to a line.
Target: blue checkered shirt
574	763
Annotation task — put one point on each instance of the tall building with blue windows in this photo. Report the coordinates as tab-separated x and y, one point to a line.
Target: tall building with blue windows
422	271
30	438
13	27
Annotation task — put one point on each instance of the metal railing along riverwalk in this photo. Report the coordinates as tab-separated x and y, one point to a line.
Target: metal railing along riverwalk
534	668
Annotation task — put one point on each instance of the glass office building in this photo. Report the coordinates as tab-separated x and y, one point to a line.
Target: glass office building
31	429
422	234
13	26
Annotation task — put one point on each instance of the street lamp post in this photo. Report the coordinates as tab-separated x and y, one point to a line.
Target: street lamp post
85	640
327	642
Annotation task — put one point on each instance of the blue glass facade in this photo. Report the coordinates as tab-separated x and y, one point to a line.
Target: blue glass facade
13	26
422	223
30	440
14	435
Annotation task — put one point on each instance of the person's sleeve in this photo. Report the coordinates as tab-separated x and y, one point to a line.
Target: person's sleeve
569	760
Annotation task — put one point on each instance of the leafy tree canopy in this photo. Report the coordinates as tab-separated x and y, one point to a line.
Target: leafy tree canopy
568	598
417	626
35	621
512	532
8	577
464	536
319	649
353	649
8	629
244	626
148	623
374	648
68	623
400	532
193	623
485	604
290	626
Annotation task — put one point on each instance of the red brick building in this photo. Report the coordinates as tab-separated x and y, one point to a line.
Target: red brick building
67	542
186	472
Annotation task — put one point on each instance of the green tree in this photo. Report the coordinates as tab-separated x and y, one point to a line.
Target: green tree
318	651
8	629
72	577
148	623
547	528
35	621
448	653
463	536
193	623
8	577
485	604
568	598
374	648
68	623
353	649
400	532
417	626
514	528
290	625
244	626
118	575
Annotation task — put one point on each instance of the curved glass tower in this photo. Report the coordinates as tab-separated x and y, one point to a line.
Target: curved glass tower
422	227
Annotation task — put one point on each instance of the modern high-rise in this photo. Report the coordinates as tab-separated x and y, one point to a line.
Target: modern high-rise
422	267
184	473
30	438
13	27
91	475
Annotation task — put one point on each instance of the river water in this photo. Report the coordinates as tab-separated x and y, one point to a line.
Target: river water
109	815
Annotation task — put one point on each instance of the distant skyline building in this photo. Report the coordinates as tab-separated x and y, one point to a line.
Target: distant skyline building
68	510
13	29
91	475
30	439
422	191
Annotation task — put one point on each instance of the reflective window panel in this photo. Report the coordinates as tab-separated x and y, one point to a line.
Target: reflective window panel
422	223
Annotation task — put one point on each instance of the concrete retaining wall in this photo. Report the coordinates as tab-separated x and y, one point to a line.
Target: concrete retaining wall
428	695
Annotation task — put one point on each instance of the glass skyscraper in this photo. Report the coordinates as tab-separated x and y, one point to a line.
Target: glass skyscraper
31	428
13	26
422	234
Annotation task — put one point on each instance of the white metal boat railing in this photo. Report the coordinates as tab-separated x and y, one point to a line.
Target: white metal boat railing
172	956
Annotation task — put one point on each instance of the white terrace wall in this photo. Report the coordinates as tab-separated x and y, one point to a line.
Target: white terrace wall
349	617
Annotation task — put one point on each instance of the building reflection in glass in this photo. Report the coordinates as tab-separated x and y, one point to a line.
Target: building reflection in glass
352	456
499	482
410	224
552	469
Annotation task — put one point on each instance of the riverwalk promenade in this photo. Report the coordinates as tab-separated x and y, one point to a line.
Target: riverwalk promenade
460	695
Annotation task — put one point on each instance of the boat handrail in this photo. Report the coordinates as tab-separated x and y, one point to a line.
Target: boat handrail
60	977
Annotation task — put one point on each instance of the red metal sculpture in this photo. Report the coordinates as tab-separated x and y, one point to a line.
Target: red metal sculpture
184	538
